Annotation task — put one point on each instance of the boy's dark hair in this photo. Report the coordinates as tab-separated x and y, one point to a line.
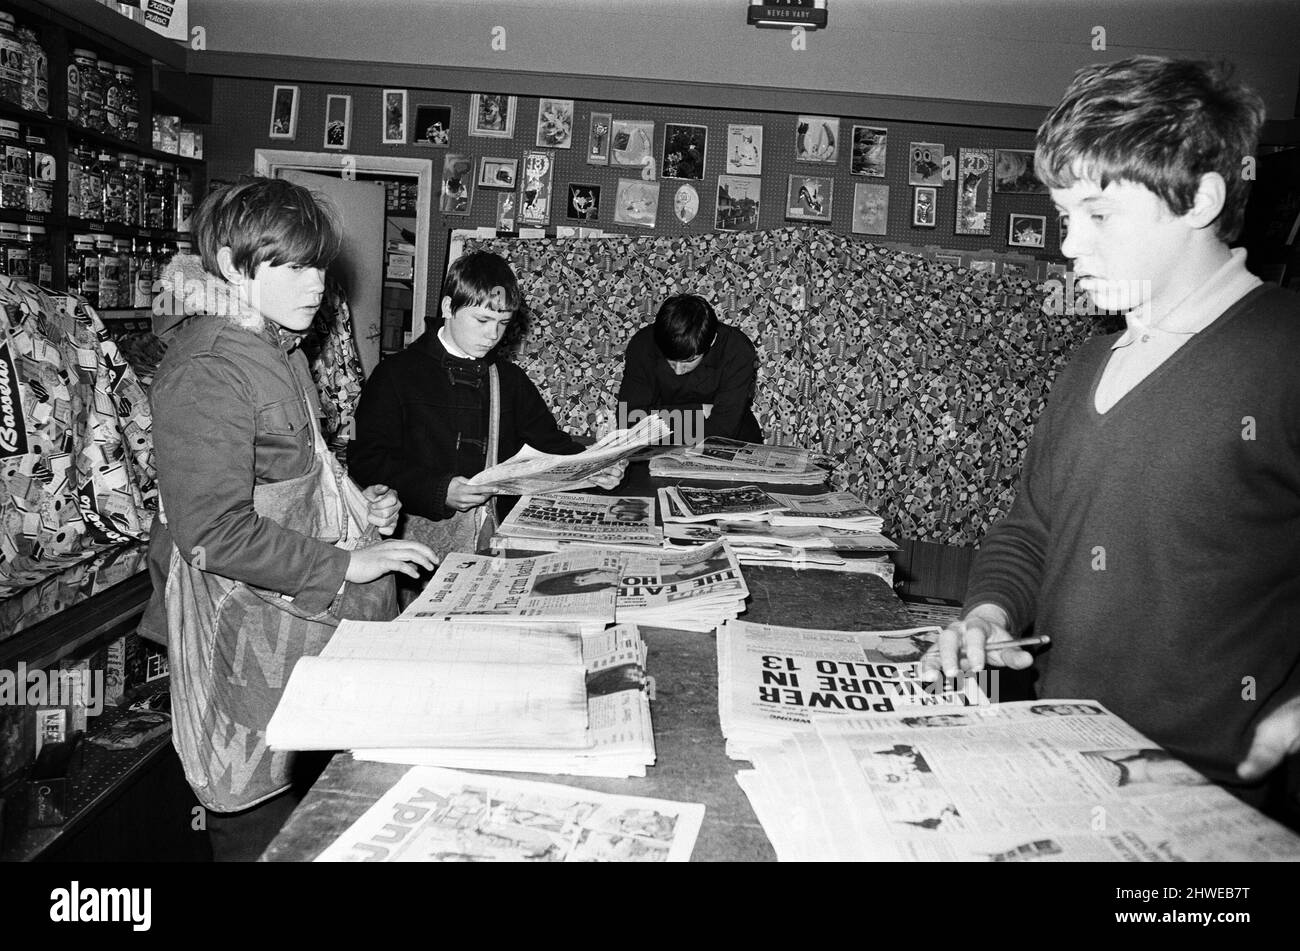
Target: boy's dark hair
265	220
484	279
1157	122
685	327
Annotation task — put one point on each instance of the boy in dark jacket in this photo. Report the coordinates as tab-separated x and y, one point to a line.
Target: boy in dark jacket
428	420
262	543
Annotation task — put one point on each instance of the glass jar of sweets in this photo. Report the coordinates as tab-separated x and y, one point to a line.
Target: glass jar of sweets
36	73
80	66
38	254
83	268
114	189
42	172
110	271
13	252
11	61
13	166
112	97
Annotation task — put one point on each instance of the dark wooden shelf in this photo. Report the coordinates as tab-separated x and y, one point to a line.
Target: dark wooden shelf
99	27
86	226
24	217
109	613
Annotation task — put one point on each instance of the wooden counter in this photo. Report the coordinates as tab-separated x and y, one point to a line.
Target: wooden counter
691	765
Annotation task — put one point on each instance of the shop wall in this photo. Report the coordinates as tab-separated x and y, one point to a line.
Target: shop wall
241	123
1007	51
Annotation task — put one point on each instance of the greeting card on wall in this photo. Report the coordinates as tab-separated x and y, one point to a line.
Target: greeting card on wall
598	139
506	211
495	172
870	209
686	204
394	116
1027	231
284	112
555	123
817	139
809	197
632	143
457	184
744	149
975	191
684	151
492	115
738	199
636	202
1013	173
584	202
433	126
535	196
925	200
338	122
870	144
925	165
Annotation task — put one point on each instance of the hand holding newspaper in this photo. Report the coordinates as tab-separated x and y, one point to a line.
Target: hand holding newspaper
530	471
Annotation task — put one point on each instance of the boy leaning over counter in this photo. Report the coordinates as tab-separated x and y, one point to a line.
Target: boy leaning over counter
262	543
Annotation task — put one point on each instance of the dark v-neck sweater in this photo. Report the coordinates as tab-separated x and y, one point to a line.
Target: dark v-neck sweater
1158	544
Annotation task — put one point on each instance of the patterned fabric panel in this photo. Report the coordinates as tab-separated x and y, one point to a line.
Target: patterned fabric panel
923	378
79	477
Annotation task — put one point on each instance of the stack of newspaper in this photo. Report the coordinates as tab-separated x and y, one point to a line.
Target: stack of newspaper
690	503
521	697
531	471
830	531
730	460
693	590
772	679
576	586
556	520
437	815
1059	781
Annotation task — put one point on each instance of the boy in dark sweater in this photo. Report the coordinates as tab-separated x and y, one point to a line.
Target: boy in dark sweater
1155	536
696	373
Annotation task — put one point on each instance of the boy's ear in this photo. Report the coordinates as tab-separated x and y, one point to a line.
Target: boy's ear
446	309
226	262
1210	196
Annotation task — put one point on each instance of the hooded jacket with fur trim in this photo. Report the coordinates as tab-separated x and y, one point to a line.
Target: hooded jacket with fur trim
231	404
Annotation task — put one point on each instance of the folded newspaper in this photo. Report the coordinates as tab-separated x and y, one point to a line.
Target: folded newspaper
832	509
692	503
1034	781
576	585
731	460
429	684
619	737
531	471
571	517
772	679
438	815
693	590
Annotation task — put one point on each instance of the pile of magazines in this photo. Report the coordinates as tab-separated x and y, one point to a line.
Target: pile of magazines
693	590
730	460
559	519
834	530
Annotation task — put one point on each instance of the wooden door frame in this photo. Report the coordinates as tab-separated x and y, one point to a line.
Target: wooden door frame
268	161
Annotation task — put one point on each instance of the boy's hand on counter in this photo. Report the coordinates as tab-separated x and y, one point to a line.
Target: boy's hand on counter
462	496
375	561
610	476
383	508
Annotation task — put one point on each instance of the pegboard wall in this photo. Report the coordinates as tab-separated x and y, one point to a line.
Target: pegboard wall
241	122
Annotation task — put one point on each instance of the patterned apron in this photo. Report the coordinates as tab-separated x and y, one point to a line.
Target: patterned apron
469	531
233	645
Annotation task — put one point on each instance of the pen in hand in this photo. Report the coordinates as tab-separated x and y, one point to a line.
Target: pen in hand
1018	642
